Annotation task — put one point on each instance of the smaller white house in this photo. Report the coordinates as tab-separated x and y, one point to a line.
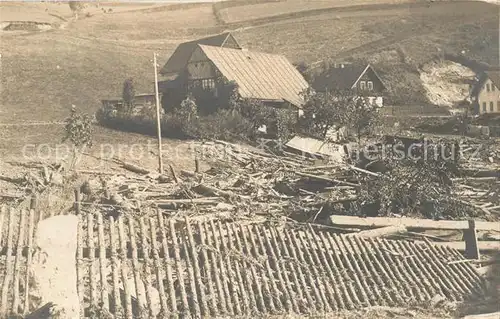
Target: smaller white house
347	76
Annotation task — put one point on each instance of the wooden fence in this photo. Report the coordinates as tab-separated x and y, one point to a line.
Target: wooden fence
150	265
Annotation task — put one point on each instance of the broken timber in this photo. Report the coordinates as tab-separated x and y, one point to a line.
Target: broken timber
410	223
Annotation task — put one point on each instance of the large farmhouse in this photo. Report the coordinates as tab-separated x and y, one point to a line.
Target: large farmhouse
346	76
269	78
180	58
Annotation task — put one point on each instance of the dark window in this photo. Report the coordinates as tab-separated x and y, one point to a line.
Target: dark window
493	87
491	107
498	106
194	84
487	87
484	106
370	85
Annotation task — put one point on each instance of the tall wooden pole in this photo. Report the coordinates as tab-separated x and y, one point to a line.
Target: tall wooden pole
158	118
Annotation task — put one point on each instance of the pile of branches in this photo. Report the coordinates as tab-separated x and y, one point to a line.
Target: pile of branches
249	182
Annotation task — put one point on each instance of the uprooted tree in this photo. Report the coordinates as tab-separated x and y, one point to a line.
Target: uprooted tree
417	182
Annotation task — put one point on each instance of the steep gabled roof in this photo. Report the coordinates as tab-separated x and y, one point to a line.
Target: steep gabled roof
342	78
259	75
183	52
494	76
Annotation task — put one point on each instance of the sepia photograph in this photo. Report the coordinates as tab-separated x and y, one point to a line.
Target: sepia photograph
259	159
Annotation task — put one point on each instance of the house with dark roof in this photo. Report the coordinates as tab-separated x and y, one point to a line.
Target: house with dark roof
349	76
179	59
485	94
206	69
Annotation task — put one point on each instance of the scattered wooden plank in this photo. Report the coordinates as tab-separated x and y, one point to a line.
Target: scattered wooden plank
168	203
17	265
493	315
135	169
210	190
174	175
179	268
124	269
207	265
196	267
8	268
31	227
158	267
364	171
136	271
168	263
352	221
90	243
146	269
188	173
481	245
102	262
114	266
326	179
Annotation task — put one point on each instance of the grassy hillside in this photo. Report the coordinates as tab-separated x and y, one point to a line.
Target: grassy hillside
44	73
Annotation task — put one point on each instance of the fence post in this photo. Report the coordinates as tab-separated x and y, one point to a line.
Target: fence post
470	237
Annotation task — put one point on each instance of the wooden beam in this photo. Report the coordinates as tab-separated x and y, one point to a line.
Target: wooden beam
352	221
493	315
382	231
481	245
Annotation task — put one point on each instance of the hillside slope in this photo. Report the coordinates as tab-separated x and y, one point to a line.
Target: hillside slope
43	74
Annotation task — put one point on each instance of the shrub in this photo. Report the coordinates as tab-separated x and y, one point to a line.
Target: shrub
286	122
79	129
224	125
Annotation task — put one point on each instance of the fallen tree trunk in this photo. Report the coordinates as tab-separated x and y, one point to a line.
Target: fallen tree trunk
217	192
134	168
168	203
326	179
